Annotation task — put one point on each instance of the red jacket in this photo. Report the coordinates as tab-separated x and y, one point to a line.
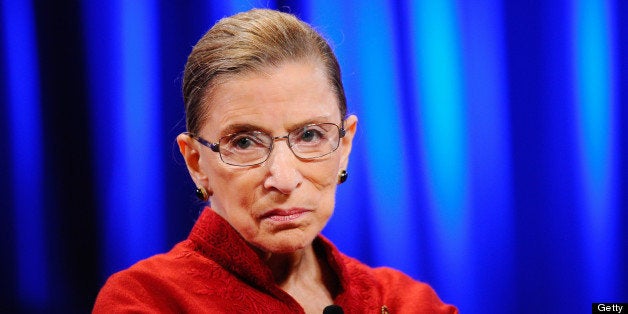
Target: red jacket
215	271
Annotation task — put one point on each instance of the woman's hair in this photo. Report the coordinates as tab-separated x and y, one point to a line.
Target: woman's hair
248	42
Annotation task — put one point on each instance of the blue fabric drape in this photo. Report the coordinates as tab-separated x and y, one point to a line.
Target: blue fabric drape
489	159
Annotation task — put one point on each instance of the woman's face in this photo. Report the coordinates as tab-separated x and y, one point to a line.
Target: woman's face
280	205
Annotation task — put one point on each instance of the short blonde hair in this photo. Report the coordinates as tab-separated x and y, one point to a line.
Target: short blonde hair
248	42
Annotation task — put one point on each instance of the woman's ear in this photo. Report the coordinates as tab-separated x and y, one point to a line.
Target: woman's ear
350	126
189	150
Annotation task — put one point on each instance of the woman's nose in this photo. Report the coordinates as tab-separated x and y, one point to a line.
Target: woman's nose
284	175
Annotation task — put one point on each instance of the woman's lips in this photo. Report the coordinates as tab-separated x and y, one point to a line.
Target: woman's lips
282	215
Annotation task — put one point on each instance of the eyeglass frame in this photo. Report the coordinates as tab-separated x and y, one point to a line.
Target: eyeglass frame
215	147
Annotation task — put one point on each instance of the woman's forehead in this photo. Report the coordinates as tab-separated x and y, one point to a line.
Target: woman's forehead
289	95
272	119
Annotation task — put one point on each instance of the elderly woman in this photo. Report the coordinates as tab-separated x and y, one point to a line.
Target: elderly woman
268	141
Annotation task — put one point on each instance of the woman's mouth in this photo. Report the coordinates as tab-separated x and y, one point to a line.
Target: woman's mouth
282	215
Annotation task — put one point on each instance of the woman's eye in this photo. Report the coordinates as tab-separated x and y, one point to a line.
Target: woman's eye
310	135
243	143
246	141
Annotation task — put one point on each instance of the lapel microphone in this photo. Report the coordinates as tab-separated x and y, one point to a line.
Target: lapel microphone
333	309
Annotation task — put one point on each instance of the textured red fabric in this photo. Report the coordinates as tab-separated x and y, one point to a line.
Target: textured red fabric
215	271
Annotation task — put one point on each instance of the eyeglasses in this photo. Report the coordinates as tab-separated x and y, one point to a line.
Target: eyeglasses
250	148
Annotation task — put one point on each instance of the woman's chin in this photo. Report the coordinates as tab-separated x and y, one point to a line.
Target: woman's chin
285	244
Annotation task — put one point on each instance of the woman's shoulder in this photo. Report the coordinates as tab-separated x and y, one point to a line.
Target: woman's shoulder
165	266
397	291
154	283
404	292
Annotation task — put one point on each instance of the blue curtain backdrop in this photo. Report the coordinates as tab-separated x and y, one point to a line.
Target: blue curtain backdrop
490	160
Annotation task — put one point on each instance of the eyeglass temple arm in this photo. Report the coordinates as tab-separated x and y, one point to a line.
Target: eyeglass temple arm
213	146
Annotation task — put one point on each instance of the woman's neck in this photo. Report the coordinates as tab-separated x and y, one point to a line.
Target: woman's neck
306	277
289	267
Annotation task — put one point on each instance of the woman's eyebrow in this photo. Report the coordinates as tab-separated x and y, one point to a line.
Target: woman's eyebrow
246	127
241	127
314	120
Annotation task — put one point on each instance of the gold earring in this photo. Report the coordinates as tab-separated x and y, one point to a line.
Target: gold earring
201	193
342	177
